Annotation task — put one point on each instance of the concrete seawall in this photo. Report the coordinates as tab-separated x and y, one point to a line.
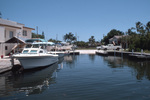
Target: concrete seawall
86	51
5	64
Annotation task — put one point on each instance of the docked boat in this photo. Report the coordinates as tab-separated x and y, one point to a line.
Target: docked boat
60	54
35	56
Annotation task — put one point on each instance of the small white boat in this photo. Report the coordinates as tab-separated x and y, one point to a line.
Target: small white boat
60	54
35	56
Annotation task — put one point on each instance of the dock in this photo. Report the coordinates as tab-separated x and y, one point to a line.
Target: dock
74	53
102	52
135	55
5	64
86	51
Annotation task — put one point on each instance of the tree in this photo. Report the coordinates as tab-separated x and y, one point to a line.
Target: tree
43	35
34	35
130	31
140	28
148	27
111	34
53	40
92	40
81	44
69	37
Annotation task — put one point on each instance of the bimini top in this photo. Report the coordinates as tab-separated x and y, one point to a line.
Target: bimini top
35	40
48	43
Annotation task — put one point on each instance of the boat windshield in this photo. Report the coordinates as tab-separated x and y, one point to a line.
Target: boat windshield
25	51
28	46
35	45
33	51
43	46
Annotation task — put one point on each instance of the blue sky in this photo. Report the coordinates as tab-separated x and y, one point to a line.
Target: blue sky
82	17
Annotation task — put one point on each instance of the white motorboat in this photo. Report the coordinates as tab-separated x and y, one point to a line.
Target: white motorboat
35	56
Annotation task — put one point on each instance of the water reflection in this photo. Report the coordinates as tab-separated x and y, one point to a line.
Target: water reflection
70	60
92	57
141	69
32	82
114	61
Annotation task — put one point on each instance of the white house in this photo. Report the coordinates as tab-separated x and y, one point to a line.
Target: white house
116	39
10	29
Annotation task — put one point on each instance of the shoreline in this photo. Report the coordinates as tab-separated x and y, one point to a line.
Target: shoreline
5	63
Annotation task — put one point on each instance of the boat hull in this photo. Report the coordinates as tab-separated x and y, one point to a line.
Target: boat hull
37	61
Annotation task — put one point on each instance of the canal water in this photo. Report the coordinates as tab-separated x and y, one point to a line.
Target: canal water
81	77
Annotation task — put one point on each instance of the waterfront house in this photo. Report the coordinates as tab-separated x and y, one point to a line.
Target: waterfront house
116	39
11	33
119	40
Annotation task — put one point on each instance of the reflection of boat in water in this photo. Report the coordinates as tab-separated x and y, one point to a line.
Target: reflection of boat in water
32	82
35	56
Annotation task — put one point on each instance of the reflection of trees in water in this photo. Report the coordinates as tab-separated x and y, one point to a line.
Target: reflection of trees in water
70	60
92	57
141	69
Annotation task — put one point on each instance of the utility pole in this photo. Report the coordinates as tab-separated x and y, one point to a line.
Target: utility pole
0	15
56	37
37	31
126	41
76	36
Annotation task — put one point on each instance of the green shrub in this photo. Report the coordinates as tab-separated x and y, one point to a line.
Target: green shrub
131	46
138	50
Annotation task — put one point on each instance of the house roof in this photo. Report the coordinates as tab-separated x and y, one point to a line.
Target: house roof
29	28
8	23
117	37
10	26
16	40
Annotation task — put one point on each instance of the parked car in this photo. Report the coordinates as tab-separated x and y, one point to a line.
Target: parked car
98	48
110	47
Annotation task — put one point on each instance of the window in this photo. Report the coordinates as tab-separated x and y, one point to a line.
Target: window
41	52
24	33
36	46
6	48
11	34
33	51
25	51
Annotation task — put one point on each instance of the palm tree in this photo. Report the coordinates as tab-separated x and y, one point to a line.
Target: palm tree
69	37
148	27
92	40
140	28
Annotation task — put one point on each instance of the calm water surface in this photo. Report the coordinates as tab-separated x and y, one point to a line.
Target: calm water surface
81	77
